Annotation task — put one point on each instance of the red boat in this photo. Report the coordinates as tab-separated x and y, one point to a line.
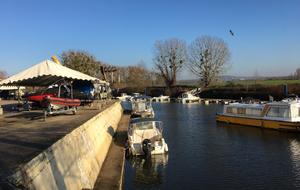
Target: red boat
85	98
57	103
37	98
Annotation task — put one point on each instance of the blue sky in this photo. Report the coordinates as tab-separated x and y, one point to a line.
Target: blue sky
123	32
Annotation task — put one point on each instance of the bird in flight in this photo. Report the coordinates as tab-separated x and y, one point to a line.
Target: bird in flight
231	32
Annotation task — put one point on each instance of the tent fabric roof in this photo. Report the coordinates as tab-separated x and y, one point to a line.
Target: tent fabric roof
11	87
45	74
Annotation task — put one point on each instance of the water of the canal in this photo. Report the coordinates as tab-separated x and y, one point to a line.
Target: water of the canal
205	154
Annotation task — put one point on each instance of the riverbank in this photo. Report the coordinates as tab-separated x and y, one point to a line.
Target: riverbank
230	91
67	151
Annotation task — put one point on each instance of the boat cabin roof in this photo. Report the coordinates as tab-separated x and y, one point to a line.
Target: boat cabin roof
245	105
143	119
142	97
292	103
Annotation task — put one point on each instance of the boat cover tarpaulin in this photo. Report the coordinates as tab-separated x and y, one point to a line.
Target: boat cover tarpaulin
46	73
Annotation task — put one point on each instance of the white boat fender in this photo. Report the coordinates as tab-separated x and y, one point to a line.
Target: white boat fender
166	147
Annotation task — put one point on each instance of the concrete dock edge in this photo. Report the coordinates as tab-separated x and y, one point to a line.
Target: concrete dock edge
111	176
74	161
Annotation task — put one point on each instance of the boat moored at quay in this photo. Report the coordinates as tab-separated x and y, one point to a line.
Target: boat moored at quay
283	115
142	107
145	137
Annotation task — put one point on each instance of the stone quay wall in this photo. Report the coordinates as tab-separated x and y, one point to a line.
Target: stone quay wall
74	161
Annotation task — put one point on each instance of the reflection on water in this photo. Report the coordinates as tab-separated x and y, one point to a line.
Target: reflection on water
148	172
205	154
295	157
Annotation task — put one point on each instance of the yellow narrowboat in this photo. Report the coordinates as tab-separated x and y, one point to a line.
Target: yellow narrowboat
283	115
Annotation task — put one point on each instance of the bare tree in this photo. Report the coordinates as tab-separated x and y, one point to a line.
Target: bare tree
158	79
169	57
208	58
3	74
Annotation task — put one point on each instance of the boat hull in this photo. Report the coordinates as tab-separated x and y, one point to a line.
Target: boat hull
37	98
57	103
259	122
85	98
161	147
147	113
188	100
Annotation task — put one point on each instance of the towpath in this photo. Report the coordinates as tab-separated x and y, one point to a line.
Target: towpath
112	171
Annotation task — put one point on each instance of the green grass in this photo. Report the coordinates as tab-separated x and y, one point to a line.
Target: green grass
263	82
268	82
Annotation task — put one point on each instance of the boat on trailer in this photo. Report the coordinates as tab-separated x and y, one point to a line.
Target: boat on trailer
55	105
145	137
58	105
283	115
56	91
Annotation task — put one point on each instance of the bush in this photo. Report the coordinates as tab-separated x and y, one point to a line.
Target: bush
230	84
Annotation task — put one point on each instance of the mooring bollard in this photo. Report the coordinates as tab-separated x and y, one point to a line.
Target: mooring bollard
103	103
98	106
1	110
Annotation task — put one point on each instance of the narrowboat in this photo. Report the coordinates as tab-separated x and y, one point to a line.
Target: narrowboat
282	115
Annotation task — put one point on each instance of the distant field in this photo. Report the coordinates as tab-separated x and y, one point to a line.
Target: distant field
264	82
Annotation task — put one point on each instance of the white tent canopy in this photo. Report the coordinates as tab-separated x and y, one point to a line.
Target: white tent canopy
45	74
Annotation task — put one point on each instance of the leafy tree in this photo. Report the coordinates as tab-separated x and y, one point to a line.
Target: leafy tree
169	57
208	58
81	61
138	75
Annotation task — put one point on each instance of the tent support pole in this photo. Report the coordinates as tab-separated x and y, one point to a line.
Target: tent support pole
19	95
71	91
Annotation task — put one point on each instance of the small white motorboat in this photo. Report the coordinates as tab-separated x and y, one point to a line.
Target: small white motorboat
161	98
123	96
145	137
133	95
142	107
187	97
